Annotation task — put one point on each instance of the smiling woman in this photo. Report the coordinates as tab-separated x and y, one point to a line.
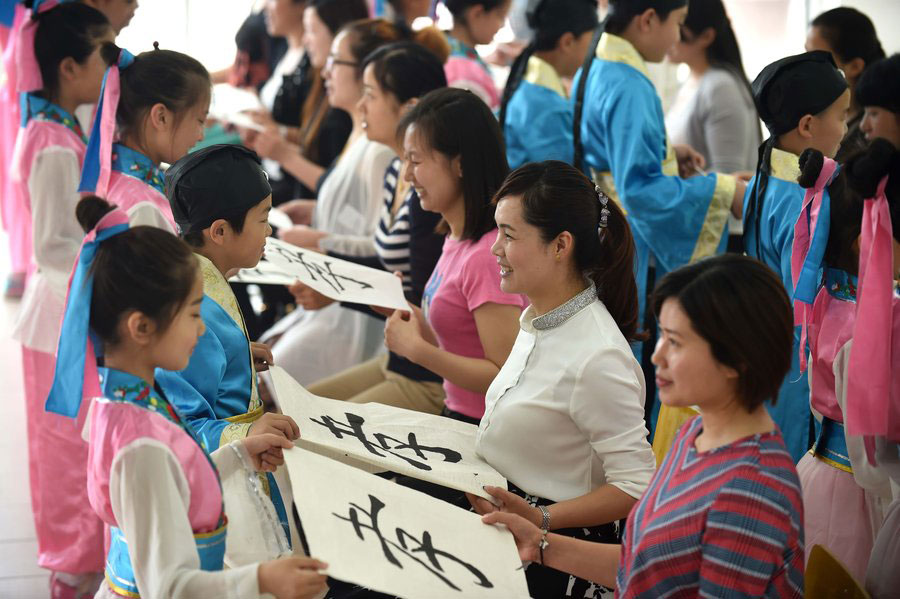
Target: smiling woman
564	418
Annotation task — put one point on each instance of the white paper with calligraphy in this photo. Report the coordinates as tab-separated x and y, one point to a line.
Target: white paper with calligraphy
332	277
389	538
431	448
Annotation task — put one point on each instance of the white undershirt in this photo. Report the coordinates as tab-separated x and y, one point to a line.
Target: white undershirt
150	498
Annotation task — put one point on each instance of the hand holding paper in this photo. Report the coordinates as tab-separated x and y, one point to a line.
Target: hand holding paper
395	540
338	279
427	447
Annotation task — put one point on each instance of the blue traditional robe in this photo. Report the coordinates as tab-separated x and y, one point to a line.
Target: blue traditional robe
538	118
217	391
674	221
781	204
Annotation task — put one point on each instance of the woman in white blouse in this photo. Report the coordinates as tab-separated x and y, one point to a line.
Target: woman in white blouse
564	418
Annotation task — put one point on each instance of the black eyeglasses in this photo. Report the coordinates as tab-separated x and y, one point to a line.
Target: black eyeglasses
331	61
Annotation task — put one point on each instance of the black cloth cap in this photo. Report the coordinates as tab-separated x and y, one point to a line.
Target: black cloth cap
219	181
879	84
794	86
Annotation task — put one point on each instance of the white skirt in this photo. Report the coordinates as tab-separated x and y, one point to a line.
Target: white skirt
313	345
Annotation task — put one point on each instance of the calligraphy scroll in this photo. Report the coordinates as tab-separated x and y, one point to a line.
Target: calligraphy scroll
338	279
392	539
431	448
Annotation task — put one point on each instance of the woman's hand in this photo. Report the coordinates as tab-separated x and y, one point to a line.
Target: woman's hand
504	501
266	450
278	424
270	144
690	161
302	236
528	536
737	202
292	577
262	117
300	211
262	356
403	334
309	298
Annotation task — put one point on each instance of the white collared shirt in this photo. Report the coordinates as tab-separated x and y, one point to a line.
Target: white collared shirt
565	414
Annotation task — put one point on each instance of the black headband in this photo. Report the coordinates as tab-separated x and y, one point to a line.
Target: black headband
219	181
794	86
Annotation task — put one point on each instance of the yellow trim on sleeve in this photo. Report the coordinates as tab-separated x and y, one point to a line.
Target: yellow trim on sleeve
716	218
119	590
234	432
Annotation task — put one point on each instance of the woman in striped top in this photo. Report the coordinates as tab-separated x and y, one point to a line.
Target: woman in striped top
405	240
723	515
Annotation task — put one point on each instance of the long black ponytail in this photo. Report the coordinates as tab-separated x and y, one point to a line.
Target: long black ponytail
549	20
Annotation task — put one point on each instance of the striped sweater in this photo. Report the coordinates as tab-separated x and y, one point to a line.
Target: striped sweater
719	524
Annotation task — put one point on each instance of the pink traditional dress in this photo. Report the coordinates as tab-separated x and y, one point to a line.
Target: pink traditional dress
853	333
465	69
121	174
839	514
46	172
152	482
14	213
137	185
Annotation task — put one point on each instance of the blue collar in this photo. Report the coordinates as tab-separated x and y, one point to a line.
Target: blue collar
841	284
33	106
134	164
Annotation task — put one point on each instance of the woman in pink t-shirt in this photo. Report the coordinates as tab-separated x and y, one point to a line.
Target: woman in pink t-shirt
467	325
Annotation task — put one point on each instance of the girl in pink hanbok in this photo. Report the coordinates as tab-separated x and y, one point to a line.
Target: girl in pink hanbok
158	102
14	217
64	65
149	476
853	327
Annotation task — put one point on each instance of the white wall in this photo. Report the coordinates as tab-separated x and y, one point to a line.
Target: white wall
202	28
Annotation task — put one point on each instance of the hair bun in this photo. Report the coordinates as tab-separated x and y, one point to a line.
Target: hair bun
868	168
90	210
811	163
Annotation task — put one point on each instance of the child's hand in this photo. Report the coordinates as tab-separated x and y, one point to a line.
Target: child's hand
277	424
262	356
266	451
292	577
309	298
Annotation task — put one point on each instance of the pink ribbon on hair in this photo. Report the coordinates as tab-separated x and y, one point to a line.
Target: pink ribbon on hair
804	230
869	378
111	95
29	71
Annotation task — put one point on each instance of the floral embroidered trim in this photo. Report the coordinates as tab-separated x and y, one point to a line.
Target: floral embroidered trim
43	110
132	163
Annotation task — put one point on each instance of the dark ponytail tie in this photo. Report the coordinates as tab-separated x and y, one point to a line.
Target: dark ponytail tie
811	163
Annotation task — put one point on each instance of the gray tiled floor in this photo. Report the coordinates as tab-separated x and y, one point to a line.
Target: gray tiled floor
20	576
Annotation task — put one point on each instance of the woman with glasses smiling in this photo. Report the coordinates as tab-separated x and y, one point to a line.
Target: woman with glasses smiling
346	213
